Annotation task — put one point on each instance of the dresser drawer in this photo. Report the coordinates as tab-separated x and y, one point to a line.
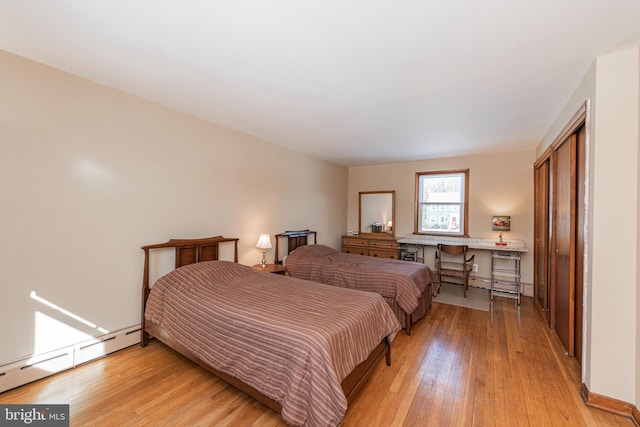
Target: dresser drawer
355	250
347	241
379	247
379	244
379	253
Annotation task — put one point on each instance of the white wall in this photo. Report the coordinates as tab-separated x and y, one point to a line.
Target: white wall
499	184
89	174
610	365
615	196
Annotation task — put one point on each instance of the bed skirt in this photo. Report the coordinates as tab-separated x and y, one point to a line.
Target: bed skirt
423	305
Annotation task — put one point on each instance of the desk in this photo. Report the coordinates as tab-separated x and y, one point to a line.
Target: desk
482	244
505	260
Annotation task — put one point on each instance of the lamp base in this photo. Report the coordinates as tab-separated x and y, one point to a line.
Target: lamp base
264	259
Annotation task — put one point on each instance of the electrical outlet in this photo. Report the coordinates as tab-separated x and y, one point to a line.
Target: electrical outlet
475	268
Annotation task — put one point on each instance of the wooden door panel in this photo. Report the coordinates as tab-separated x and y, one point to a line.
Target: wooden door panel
564	242
541	248
580	224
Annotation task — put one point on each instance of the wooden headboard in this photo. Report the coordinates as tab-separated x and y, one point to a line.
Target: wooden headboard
188	251
294	239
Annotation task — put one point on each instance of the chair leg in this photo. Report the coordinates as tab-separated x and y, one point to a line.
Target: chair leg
465	284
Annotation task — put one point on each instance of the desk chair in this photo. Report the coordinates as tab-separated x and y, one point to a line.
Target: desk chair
453	266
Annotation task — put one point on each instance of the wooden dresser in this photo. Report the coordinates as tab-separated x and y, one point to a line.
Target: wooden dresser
375	245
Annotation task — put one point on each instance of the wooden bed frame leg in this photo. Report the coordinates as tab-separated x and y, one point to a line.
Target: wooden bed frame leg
388	355
408	324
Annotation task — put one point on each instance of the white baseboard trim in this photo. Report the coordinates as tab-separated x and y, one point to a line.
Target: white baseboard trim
39	366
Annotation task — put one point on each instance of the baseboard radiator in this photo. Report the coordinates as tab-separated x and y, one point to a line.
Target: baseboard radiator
39	366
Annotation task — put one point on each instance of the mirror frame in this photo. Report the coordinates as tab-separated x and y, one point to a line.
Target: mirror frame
393	213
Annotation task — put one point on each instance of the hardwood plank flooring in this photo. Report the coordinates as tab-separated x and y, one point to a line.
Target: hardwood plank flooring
459	367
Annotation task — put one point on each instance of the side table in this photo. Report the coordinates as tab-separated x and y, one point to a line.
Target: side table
271	268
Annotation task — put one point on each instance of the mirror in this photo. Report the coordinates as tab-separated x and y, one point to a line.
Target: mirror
377	212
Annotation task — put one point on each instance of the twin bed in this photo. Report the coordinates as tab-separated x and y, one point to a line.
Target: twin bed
301	348
407	287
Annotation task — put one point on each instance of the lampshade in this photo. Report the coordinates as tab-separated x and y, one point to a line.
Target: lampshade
264	242
389	224
501	223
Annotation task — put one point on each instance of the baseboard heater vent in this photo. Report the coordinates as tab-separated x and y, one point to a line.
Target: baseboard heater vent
102	341
39	366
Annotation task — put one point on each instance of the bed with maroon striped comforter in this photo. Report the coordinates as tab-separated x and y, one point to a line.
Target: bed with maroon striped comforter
402	282
291	339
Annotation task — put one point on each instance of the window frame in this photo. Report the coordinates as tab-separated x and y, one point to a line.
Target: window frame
464	212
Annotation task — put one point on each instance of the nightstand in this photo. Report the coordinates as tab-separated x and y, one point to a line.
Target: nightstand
271	268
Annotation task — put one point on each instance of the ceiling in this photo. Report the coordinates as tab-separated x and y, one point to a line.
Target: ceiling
355	82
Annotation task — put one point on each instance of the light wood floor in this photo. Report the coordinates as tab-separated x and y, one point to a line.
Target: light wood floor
460	367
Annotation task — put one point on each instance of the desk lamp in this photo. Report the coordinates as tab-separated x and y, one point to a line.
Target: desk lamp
501	223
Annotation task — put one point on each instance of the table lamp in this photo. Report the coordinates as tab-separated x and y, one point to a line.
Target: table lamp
501	223
264	243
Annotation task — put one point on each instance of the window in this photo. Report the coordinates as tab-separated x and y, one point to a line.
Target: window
443	191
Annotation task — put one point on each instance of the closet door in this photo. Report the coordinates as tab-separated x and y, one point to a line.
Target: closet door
541	231
580	225
567	176
563	243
